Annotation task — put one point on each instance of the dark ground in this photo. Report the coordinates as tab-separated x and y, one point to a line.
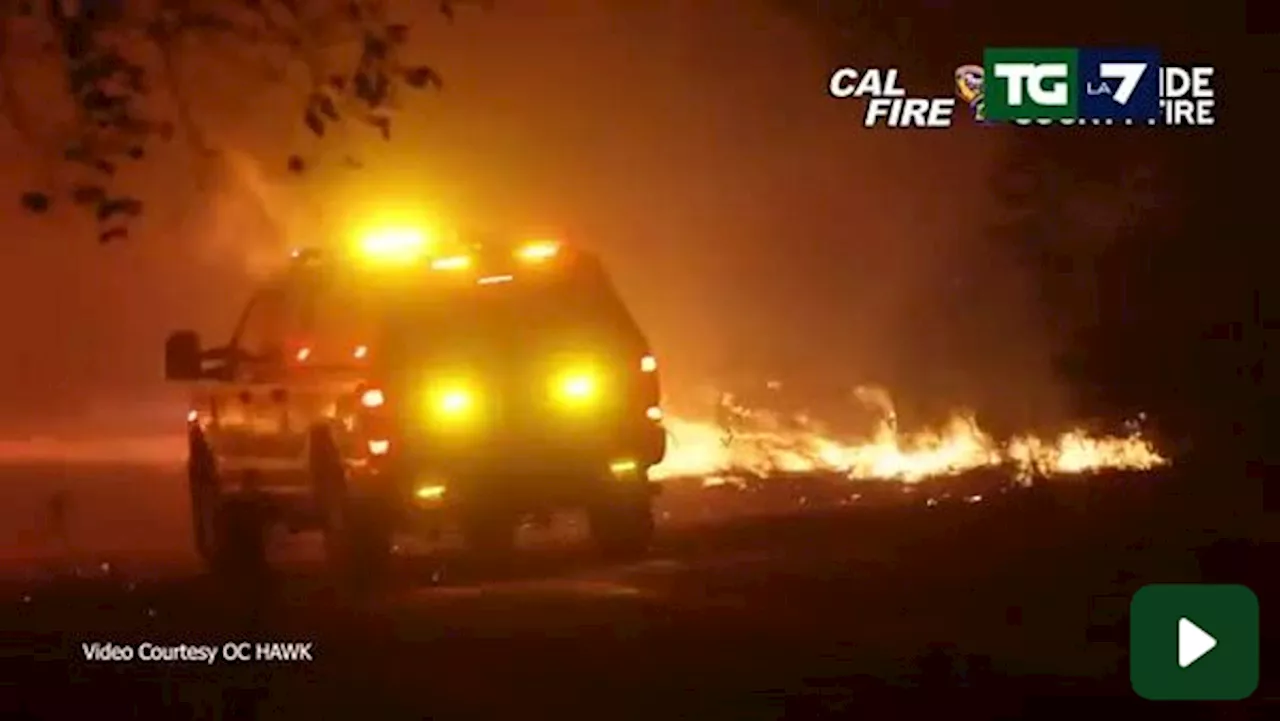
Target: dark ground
1008	606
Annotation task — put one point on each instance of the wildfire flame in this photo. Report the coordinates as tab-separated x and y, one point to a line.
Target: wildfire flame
763	444
754	442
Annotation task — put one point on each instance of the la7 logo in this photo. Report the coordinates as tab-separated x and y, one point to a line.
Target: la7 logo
1121	84
1129	75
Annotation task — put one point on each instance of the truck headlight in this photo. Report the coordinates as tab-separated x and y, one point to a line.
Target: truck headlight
393	245
453	401
576	388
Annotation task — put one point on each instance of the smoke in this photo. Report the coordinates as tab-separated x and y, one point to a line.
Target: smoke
248	218
758	231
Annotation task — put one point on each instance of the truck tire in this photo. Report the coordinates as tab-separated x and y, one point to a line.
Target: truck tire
622	525
202	481
240	541
357	527
230	533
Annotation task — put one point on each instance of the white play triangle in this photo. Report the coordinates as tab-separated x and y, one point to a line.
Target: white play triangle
1193	643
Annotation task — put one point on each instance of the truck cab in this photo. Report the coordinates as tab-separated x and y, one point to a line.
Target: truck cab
468	390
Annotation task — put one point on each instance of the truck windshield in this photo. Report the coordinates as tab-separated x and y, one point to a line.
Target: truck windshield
507	318
513	309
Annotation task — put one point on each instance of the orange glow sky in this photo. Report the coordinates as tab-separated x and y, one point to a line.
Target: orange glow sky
756	228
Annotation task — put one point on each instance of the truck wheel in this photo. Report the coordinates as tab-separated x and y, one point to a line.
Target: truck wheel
240	540
358	528
229	533
358	546
622	526
202	481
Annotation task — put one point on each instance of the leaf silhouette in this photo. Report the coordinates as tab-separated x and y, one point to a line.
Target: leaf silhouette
327	106
113	234
375	48
35	201
88	194
107	209
76	40
383	124
381	84
315	122
364	86
422	76
77	153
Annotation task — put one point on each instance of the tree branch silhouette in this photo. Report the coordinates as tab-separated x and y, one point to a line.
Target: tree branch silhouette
117	57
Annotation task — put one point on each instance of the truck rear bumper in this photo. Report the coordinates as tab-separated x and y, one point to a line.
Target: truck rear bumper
524	475
516	477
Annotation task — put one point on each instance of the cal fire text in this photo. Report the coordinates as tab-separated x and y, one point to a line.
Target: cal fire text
888	104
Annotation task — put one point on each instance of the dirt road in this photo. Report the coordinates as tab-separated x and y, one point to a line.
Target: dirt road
972	605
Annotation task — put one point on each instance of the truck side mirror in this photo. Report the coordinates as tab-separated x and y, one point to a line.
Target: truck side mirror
182	358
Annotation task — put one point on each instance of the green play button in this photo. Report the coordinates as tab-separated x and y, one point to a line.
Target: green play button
1193	642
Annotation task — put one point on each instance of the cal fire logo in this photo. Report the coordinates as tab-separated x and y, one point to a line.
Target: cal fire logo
887	102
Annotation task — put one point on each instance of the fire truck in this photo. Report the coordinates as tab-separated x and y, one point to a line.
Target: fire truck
397	390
